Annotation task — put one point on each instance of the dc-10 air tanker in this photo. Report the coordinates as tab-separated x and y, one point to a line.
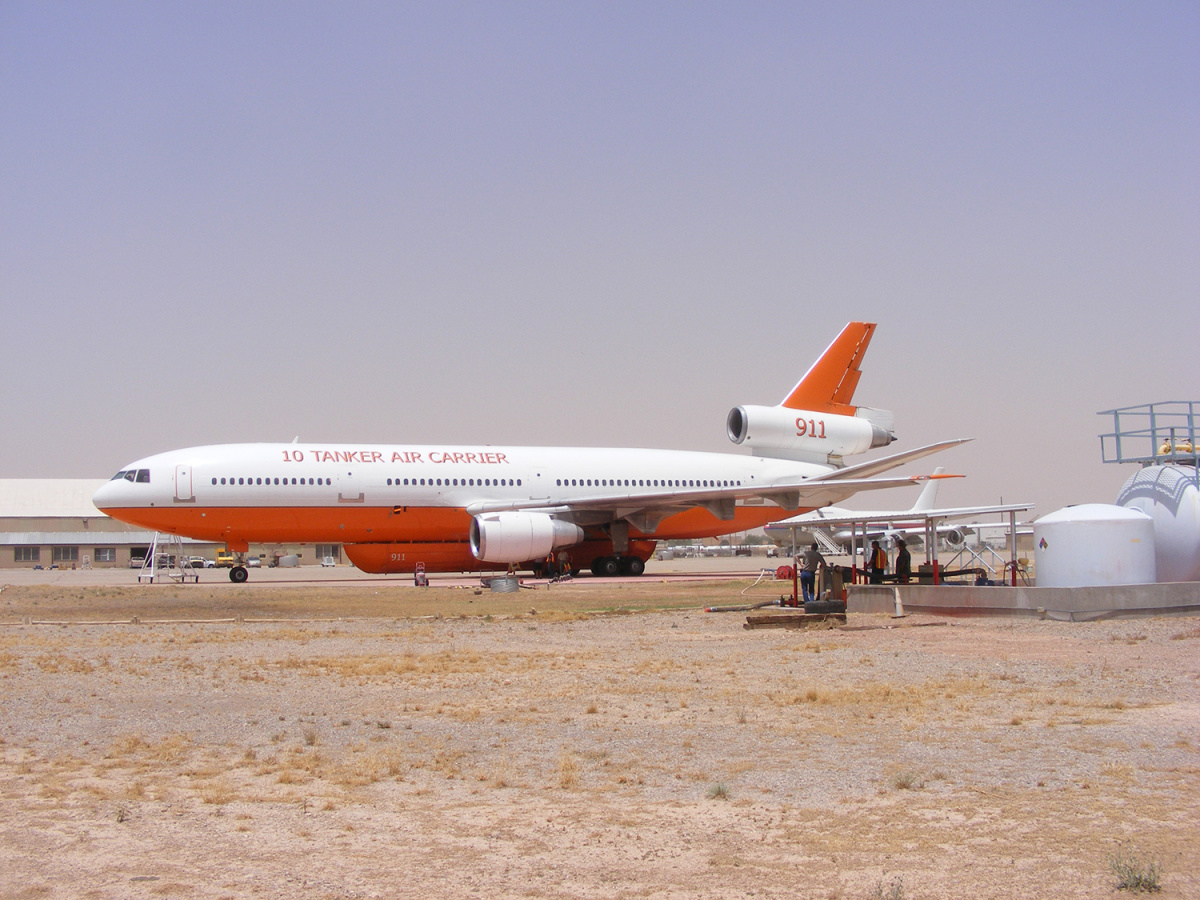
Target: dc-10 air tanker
470	508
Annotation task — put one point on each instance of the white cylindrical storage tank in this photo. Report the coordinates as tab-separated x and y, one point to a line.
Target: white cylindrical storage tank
1170	496
1094	544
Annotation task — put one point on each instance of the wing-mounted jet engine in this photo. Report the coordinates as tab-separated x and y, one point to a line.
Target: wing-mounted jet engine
519	536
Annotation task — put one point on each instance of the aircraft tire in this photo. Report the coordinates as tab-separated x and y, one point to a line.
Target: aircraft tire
238	574
632	566
606	566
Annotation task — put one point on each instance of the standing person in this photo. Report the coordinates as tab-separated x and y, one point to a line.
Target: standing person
876	564
810	564
903	562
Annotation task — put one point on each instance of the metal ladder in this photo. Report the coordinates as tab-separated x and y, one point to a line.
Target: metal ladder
177	567
826	543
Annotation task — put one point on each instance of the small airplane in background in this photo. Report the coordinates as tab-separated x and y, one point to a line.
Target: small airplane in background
833	528
451	509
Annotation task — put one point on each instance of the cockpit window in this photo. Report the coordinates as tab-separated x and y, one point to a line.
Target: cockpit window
139	475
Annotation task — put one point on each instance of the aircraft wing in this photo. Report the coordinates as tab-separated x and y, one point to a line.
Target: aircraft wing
818	519
645	510
965	512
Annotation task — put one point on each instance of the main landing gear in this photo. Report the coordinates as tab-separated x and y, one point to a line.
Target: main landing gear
611	566
238	573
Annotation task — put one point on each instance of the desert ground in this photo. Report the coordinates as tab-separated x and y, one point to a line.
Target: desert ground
365	738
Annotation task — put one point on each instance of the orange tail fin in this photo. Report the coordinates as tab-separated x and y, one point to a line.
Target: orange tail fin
829	385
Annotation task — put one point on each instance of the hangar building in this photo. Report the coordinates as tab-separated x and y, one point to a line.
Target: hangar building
51	523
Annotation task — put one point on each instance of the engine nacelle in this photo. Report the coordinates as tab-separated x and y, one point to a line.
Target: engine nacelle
778	431
514	537
955	537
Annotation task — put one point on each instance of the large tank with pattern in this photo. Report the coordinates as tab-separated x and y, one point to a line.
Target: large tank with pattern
1171	497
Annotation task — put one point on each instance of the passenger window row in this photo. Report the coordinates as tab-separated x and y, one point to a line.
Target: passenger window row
423	482
143	475
645	482
456	482
254	481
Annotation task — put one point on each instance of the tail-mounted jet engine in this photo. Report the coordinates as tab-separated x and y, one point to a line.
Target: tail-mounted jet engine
515	537
780	432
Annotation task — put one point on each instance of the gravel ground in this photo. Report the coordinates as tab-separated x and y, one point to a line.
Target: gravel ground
558	754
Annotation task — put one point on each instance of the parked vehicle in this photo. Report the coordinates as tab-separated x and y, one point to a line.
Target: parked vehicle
224	560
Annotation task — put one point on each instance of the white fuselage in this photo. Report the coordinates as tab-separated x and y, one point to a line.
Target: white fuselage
384	494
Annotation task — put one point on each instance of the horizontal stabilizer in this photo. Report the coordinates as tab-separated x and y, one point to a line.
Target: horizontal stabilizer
887	463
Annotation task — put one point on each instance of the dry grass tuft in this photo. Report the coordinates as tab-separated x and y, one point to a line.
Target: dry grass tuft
1120	771
409	665
718	792
365	768
59	663
1136	875
907	781
893	890
134	748
218	791
568	772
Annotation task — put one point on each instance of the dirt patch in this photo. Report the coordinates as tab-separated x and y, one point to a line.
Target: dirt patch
577	752
120	603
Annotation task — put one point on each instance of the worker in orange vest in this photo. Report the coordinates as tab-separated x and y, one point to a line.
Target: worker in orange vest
877	563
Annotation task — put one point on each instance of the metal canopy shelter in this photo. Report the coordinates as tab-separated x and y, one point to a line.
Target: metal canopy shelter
930	525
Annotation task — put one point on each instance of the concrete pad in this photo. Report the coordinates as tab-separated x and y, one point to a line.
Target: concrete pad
1080	604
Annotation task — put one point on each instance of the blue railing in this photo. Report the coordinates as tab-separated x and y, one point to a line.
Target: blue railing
1153	434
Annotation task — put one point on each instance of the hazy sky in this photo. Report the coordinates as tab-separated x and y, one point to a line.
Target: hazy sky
595	223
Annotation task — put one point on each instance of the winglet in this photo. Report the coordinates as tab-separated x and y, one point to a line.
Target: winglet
928	496
829	385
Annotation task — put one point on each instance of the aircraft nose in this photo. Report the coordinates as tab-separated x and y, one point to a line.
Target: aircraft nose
109	495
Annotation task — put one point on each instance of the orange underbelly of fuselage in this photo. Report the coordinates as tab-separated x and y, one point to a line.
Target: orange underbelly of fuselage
438	535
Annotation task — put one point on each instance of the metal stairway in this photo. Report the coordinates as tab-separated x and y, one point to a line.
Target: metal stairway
165	559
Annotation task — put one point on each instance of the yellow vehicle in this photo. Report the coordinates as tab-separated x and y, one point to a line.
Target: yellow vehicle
224	559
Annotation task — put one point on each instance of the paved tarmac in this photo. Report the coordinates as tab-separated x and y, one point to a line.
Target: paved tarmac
703	567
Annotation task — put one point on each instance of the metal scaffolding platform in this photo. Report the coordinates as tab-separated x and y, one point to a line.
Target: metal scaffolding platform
1153	434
